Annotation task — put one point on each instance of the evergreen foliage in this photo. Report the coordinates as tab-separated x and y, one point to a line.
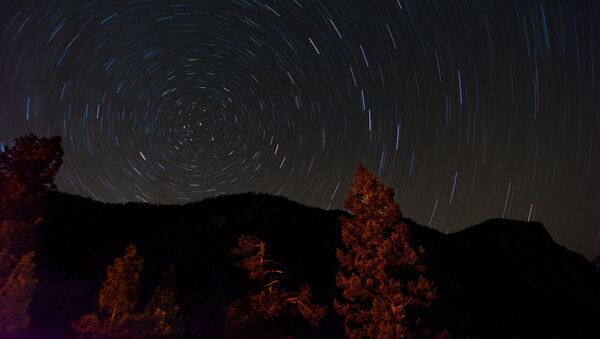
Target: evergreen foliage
118	301
27	171
381	277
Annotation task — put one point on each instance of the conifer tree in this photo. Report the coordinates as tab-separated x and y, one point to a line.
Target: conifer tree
118	304
381	277
162	317
27	171
120	291
265	309
117	300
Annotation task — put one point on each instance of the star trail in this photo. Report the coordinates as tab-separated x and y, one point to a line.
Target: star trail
468	109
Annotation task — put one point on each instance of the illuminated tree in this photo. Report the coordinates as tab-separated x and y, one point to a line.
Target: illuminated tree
264	309
162	316
381	281
118	302
118	298
27	171
120	291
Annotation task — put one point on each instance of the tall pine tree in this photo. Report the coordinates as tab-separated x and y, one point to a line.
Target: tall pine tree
27	171
381	277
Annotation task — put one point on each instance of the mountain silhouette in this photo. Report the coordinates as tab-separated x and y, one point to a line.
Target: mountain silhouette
498	279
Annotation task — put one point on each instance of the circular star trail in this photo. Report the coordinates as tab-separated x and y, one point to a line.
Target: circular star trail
468	109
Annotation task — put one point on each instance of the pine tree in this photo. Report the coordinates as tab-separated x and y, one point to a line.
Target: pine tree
33	161
162	317
118	304
265	309
27	171
381	277
117	300
120	291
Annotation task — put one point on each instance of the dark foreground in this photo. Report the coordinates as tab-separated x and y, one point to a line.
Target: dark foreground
499	279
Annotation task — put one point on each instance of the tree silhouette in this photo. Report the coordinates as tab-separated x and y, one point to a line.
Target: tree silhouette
268	308
118	300
27	171
381	281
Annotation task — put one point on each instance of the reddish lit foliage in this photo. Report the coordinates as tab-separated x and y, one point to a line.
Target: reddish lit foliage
16	292
27	172
444	335
381	280
118	301
266	309
162	312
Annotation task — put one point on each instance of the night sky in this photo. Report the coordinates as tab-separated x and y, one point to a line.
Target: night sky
468	109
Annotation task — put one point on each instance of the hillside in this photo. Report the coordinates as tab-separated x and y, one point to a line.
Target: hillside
501	278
